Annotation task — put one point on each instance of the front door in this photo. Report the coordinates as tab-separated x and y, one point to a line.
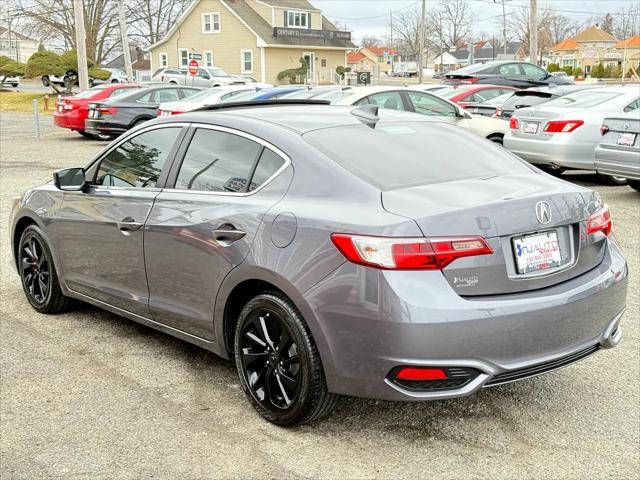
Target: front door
100	231
198	231
310	59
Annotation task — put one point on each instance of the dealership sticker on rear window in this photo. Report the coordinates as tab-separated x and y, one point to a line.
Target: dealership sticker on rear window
537	252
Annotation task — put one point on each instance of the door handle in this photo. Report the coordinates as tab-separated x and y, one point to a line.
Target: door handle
128	225
226	236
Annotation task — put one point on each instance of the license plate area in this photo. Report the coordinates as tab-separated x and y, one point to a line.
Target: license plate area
626	139
536	252
530	127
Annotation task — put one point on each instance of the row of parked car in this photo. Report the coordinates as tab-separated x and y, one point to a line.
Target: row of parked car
554	127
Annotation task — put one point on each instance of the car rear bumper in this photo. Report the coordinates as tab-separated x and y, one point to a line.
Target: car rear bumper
388	319
559	150
97	126
73	120
621	163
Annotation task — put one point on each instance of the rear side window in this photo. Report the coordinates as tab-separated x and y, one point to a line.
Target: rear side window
632	106
223	162
390	100
137	162
166	96
431	152
509	69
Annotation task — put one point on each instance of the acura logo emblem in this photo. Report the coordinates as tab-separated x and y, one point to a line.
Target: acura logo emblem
543	212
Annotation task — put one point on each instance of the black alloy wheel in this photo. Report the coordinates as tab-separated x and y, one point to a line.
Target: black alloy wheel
278	362
270	359
38	273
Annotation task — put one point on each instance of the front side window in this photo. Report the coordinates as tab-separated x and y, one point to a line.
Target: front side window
223	162
247	61
137	163
390	100
426	104
534	72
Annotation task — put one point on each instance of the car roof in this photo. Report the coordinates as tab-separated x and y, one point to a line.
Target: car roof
629	88
299	118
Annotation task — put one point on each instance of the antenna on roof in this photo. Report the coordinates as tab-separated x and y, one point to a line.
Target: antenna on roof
368	114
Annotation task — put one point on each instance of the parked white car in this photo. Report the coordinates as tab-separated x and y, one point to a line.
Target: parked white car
117	76
210	96
421	102
618	152
563	133
13	81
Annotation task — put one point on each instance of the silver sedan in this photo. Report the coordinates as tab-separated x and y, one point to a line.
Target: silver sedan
619	150
563	133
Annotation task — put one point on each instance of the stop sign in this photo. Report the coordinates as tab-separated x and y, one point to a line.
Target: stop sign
193	67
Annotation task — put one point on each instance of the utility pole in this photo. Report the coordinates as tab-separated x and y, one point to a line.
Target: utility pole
81	45
391	39
533	32
504	28
125	41
421	41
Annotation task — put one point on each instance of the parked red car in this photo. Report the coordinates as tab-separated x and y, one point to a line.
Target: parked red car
468	95
71	112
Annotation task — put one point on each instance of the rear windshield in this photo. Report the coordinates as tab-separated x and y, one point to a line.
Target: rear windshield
90	92
205	94
584	99
478	67
397	155
334	95
522	100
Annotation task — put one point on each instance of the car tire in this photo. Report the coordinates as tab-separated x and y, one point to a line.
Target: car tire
92	83
611	180
38	273
496	139
278	362
556	172
115	80
66	81
14	85
85	134
45	81
635	184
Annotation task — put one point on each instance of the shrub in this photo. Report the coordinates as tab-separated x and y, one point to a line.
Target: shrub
598	71
293	73
340	70
553	67
568	70
578	72
44	63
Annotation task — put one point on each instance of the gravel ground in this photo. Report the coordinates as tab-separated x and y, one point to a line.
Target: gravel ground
89	394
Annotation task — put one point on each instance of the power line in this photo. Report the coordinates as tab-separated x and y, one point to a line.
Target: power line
354	19
490	2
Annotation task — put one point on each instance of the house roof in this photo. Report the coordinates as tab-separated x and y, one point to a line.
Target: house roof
264	31
633	42
594	34
18	35
297	4
380	50
566	44
355	57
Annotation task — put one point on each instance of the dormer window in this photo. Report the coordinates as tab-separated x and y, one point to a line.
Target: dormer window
294	19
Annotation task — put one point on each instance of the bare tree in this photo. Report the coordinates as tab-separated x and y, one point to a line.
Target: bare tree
560	27
54	21
370	41
452	22
406	31
518	24
627	22
150	20
607	23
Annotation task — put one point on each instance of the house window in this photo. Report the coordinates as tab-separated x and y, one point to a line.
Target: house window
323	62
246	60
208	58
164	60
211	22
297	19
183	55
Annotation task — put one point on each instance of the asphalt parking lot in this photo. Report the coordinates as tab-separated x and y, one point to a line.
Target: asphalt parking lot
89	394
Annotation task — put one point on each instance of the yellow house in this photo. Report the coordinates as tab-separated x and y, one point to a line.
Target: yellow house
629	51
257	38
359	62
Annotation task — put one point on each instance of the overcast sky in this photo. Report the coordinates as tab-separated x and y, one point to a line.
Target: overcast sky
371	17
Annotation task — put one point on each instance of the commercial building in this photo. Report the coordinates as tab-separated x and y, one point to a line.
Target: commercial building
258	38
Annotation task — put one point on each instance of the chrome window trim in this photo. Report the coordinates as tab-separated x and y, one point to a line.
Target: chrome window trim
124	138
248	136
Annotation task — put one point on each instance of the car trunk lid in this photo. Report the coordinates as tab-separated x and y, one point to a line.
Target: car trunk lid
502	209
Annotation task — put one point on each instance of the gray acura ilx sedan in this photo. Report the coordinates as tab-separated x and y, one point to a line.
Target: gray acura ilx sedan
330	251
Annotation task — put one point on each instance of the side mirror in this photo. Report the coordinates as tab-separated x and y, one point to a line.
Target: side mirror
70	179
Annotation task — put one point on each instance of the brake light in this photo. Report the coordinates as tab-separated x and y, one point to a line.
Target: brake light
412	253
514	124
107	110
600	221
421	373
471	80
562	126
604	129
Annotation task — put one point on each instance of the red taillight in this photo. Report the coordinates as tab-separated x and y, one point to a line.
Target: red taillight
513	123
604	129
599	221
411	253
562	126
470	80
421	373
107	110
